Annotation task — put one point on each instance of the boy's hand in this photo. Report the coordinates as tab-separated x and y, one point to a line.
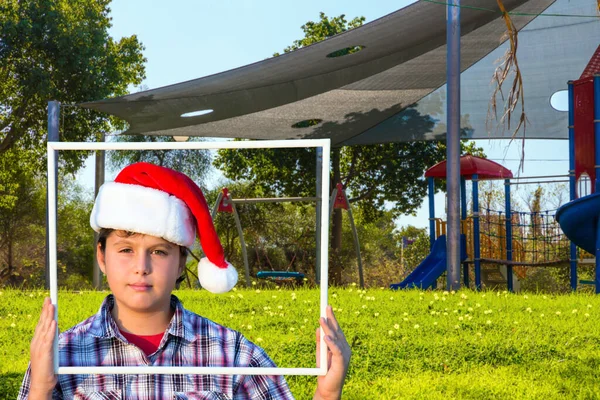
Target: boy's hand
42	375
338	358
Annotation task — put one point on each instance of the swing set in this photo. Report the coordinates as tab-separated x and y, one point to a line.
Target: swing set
226	203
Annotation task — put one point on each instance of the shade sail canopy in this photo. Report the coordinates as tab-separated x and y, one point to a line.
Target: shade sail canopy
471	165
391	90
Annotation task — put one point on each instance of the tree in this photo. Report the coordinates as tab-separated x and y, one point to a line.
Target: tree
21	212
194	163
60	50
414	244
374	175
315	32
23	229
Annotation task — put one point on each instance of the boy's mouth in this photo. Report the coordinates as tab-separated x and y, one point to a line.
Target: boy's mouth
140	287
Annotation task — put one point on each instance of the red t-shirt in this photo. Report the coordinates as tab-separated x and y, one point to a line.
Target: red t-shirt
147	343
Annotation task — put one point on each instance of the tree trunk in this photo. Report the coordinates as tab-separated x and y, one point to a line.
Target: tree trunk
10	257
335	273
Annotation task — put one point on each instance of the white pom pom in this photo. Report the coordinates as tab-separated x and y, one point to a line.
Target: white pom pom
215	279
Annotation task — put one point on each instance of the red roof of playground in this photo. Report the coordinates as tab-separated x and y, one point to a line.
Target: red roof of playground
471	165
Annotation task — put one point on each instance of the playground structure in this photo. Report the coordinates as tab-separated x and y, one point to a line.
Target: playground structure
500	244
338	200
555	237
579	217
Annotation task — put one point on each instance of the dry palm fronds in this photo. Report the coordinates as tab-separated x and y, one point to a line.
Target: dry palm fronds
508	65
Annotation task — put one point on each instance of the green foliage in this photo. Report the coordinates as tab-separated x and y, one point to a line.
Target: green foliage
22	213
405	345
60	50
374	175
52	50
23	233
194	163
75	250
378	249
281	236
278	236
326	27
413	253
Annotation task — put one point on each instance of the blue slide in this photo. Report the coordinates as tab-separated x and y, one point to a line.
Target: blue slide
578	220
431	268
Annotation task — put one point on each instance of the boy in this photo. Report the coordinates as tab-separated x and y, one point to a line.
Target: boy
146	218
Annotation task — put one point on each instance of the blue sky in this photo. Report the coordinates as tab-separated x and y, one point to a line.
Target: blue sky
187	39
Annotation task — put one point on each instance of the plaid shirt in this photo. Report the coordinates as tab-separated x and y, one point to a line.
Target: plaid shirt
190	340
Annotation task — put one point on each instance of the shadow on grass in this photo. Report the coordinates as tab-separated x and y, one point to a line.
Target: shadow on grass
10	383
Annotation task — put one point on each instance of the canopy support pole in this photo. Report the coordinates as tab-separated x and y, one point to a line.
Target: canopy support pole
572	182
453	144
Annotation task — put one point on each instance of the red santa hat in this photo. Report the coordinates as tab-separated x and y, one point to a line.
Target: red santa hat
159	201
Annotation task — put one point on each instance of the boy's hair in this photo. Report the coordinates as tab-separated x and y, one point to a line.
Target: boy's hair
104	233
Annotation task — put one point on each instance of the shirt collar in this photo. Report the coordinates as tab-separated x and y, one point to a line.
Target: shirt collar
103	325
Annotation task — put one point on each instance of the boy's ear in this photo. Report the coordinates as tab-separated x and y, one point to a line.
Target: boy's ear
101	259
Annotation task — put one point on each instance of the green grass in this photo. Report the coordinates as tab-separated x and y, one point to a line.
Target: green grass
406	345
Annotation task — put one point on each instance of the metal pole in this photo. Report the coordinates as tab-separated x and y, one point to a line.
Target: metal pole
476	244
597	278
238	225
508	213
215	210
51	278
597	129
431	192
453	144
356	243
572	183
463	220
319	206
53	136
99	181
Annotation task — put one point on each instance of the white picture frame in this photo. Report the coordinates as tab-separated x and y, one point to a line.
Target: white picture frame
325	144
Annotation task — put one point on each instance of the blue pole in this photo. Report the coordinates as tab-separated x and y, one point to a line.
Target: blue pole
508	213
597	129
463	218
572	183
453	144
476	249
597	279
431	192
597	155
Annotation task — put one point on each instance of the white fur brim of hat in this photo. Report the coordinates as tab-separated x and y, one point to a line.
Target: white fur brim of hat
136	208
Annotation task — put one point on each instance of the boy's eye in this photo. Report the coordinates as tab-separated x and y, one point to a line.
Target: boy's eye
125	251
160	252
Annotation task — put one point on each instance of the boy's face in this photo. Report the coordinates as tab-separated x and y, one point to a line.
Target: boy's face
141	270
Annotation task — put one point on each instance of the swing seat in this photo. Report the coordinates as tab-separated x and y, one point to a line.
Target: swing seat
281	275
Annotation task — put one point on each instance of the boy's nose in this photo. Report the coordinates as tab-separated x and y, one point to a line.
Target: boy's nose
142	264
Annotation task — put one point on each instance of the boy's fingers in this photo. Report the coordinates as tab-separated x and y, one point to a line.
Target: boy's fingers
326	328
332	346
41	326
42	316
48	316
331	318
49	336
